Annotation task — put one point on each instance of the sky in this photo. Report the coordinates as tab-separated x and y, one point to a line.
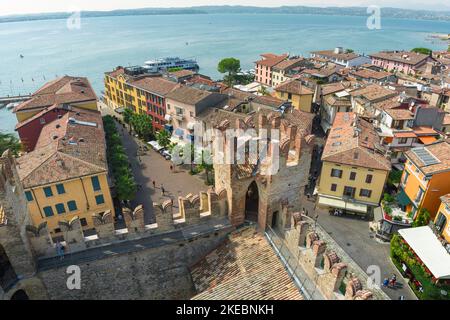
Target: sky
8	7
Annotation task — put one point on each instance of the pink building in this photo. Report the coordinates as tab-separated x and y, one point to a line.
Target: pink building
401	61
263	67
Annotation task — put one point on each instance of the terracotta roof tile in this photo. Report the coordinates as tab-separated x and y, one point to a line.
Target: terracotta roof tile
270	59
294	87
245	267
411	58
354	142
156	85
440	150
63	90
69	147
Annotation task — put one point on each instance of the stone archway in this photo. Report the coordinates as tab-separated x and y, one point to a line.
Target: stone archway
7	274
20	295
252	203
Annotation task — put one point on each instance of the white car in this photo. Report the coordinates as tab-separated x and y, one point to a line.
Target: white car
166	154
155	145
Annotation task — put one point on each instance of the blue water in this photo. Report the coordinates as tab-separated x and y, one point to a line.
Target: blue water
50	49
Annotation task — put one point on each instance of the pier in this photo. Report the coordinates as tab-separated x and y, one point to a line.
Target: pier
10	99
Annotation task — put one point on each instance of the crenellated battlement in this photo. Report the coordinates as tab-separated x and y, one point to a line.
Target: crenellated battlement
334	274
192	210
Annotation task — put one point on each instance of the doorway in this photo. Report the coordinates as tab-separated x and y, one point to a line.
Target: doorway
252	203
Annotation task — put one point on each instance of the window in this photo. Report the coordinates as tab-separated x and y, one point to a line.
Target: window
333	187
352	175
402	140
29	195
83	222
349	192
99	199
191	113
48	211
72	205
336	173
365	193
405	177
419	195
42	121
441	221
60	188
369	178
48	192
60	208
95	183
57	230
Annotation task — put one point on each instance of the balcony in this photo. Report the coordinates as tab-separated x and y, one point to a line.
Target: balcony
392	209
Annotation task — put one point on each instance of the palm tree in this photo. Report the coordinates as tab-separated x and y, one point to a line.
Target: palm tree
127	114
163	138
11	142
263	91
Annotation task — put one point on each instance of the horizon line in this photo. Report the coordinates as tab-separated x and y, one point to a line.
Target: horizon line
224	5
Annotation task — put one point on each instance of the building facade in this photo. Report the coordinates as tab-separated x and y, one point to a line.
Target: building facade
354	168
50	102
67	173
264	67
425	177
295	92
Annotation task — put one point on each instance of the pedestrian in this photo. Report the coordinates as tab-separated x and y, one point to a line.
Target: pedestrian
60	250
171	167
163	191
385	282
154	184
393	280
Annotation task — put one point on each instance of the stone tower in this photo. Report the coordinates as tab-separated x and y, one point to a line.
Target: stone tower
254	193
17	263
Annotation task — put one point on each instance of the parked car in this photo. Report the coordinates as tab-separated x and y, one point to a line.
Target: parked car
166	154
155	145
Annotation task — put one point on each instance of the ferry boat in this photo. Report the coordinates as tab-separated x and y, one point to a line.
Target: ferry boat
164	64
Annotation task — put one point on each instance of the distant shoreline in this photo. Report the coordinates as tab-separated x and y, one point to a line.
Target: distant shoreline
394	13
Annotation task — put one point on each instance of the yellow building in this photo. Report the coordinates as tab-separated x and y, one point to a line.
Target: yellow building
442	220
144	94
74	90
67	174
280	70
353	172
426	177
295	92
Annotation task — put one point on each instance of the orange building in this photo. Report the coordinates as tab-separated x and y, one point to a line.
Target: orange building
426	177
442	221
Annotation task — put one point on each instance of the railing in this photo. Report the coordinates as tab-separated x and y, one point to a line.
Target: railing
306	286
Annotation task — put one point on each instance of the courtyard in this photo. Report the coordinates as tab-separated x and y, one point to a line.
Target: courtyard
149	167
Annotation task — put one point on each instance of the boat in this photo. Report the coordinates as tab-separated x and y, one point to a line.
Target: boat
12	105
164	64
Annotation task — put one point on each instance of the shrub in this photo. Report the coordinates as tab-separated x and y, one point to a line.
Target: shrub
422	219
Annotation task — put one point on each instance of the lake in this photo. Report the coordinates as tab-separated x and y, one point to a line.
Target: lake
50	49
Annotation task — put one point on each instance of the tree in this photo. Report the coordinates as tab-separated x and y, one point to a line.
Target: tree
230	65
263	91
349	51
125	187
163	138
207	165
142	124
422	219
422	50
127	114
11	142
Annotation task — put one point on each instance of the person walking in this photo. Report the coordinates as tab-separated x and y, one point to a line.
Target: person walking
154	184
171	168
163	191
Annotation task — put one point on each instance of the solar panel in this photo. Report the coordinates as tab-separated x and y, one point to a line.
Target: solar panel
425	156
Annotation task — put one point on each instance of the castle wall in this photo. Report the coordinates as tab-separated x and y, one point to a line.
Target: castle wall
154	273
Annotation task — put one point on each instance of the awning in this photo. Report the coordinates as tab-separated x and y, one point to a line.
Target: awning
190	126
427	140
167	117
402	198
335	203
357	207
428	248
341	204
